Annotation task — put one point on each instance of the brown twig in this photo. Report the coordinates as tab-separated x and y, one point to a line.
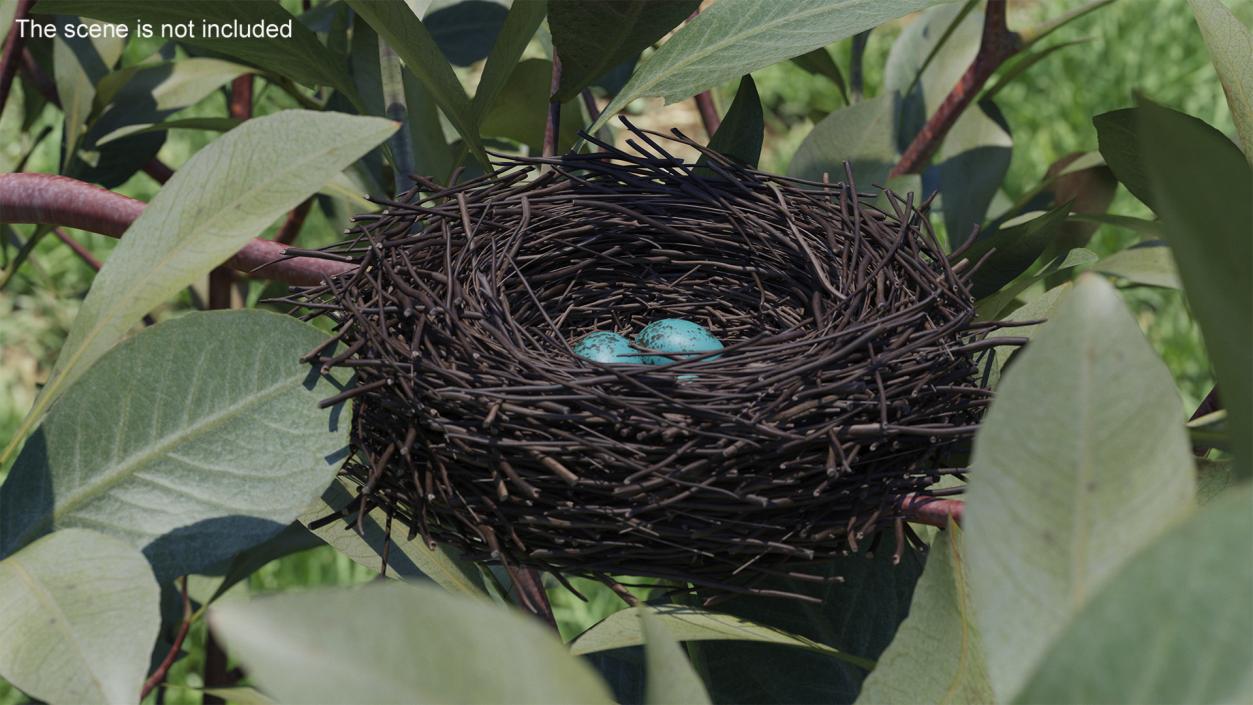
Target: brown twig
708	112
10	58
997	45
59	200
222	279
158	676
290	230
159	172
77	248
932	511
552	126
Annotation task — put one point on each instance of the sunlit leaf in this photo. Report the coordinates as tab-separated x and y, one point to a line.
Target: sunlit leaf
1231	48
670	676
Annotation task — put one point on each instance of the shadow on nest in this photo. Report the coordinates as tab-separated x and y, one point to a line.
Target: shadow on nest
848	383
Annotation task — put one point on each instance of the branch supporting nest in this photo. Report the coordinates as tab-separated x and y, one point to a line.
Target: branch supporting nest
846	387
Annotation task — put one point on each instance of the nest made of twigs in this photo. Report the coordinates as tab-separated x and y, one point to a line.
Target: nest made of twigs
847	380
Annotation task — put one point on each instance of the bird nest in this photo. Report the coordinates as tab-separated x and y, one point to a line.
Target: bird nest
847	385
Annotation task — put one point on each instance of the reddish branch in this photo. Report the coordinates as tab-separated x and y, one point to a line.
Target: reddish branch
158	676
59	200
997	45
10	58
708	112
932	511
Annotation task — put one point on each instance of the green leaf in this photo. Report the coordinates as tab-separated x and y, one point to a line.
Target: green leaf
1040	308
972	164
431	154
1172	626
520	111
1146	228
1052	513
1119	141
593	37
860	134
152	93
192	440
1202	186
79	615
301	58
819	63
1150	265
220	199
623	628
209	124
1014	248
926	60
936	656
1231	49
670	676
78	64
743	127
856	616
735	37
520	25
396	24
410	644
465	31
1212	478
406	558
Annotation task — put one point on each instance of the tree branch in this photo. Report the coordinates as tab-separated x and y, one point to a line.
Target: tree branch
932	511
10	58
552	126
708	112
997	45
58	200
158	676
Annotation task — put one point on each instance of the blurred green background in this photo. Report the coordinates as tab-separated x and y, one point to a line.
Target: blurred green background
1151	46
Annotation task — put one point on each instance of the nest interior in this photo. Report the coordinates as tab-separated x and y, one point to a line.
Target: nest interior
847	381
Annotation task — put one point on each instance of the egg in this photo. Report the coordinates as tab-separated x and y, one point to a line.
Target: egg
608	347
676	335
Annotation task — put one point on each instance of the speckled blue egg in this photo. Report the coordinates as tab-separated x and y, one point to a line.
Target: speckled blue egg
676	335
606	346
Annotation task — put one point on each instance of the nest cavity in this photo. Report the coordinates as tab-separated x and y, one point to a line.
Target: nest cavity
847	386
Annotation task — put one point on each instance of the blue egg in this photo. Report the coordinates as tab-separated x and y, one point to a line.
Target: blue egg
608	347
676	335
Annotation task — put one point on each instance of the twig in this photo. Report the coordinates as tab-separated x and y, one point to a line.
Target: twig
552	127
10	58
159	172
158	676
708	112
290	230
222	279
77	248
997	45
932	511
59	200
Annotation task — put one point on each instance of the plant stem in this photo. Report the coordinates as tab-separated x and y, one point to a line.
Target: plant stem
222	279
932	511
158	676
708	113
552	126
59	200
10	57
997	45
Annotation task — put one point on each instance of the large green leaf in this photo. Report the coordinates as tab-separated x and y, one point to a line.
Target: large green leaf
192	441
78	611
1013	249
466	30
520	25
743	127
152	93
1119	141
406	558
670	676
592	38
301	58
1202	184
1231	48
396	24
857	616
936	656
520	110
1081	460
860	134
1173	626
1151	265
77	65
408	644
624	628
220	199
735	37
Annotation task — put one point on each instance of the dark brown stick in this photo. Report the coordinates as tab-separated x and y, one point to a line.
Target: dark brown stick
997	45
58	200
708	112
158	676
552	127
10	58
